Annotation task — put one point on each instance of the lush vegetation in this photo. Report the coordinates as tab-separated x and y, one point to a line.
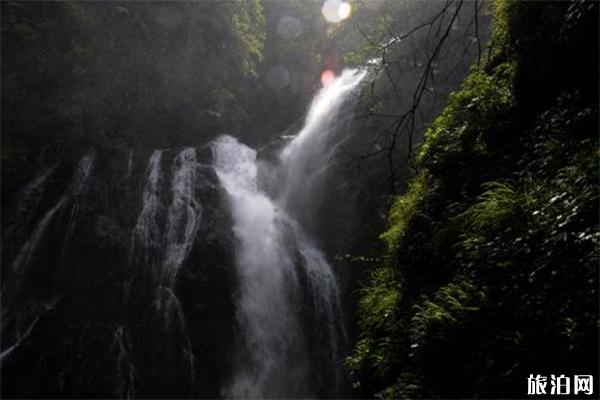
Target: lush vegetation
121	75
490	267
492	258
145	75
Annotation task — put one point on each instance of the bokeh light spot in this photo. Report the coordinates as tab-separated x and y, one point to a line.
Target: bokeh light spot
327	77
344	10
277	78
336	10
289	28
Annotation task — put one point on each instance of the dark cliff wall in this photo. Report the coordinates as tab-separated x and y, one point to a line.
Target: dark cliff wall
84	316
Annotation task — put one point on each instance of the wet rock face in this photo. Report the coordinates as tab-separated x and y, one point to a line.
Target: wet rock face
80	319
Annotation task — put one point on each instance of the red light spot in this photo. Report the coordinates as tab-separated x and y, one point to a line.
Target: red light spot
327	77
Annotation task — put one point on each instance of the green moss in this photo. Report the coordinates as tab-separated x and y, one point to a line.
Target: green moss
500	41
473	109
402	211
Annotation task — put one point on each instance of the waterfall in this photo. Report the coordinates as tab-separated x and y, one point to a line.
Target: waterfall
28	202
20	312
82	173
280	271
27	252
305	159
77	187
159	247
24	324
129	168
326	308
163	249
323	112
125	370
270	361
288	336
145	240
183	221
183	217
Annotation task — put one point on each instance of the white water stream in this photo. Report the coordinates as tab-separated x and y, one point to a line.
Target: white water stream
280	270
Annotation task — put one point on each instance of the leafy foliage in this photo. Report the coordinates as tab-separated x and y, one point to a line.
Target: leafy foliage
495	245
402	211
249	25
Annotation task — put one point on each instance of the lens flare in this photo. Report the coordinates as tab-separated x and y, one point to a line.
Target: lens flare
327	77
344	10
277	78
336	10
289	28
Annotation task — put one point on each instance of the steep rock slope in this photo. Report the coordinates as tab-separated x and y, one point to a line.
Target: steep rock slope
492	265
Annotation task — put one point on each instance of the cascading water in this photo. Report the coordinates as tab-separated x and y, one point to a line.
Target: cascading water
27	252
183	221
152	308
82	173
129	169
165	250
145	239
183	217
330	335
288	307
77	189
125	370
20	312
28	203
305	159
159	247
273	344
